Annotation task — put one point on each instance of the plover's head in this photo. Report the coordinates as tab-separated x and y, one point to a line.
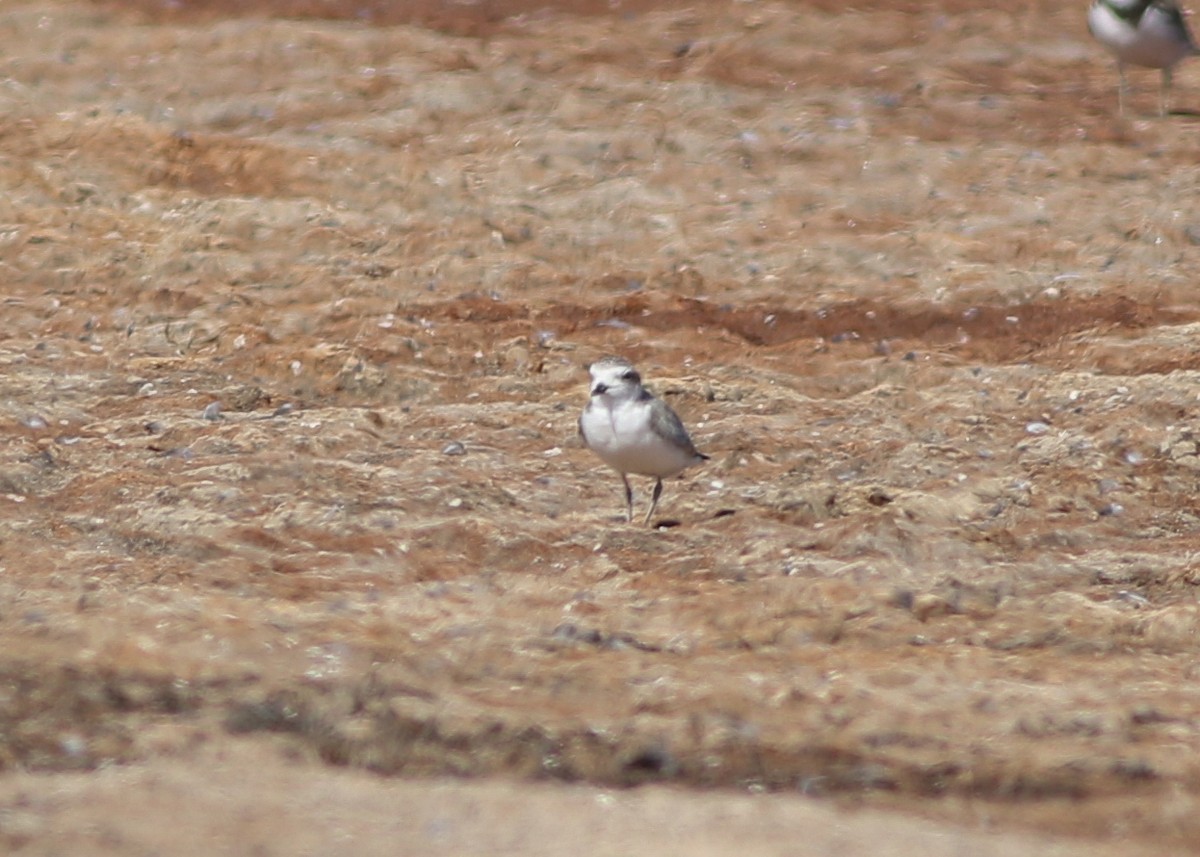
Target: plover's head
615	378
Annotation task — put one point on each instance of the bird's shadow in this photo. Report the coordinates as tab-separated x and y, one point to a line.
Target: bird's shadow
668	523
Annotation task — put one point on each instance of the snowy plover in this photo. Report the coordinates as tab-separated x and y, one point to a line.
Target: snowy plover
632	430
1149	33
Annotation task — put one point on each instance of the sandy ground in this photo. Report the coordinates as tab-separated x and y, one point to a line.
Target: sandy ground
299	552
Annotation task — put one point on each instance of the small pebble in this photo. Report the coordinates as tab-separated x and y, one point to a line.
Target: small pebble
212	411
1134	598
73	745
454	448
1037	427
283	410
34	422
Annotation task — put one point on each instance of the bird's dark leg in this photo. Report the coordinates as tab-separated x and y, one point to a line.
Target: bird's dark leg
654	500
1121	87
1164	94
628	499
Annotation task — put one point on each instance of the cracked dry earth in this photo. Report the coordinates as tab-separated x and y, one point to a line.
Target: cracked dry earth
299	551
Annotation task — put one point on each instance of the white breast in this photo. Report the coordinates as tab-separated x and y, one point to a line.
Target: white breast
1157	42
623	437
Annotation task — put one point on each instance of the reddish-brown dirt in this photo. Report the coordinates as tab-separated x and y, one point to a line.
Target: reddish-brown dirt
298	549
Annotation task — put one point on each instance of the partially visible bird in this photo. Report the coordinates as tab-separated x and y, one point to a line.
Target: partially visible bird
1150	33
632	430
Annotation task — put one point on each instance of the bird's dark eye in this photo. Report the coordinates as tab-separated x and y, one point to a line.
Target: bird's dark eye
630	375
